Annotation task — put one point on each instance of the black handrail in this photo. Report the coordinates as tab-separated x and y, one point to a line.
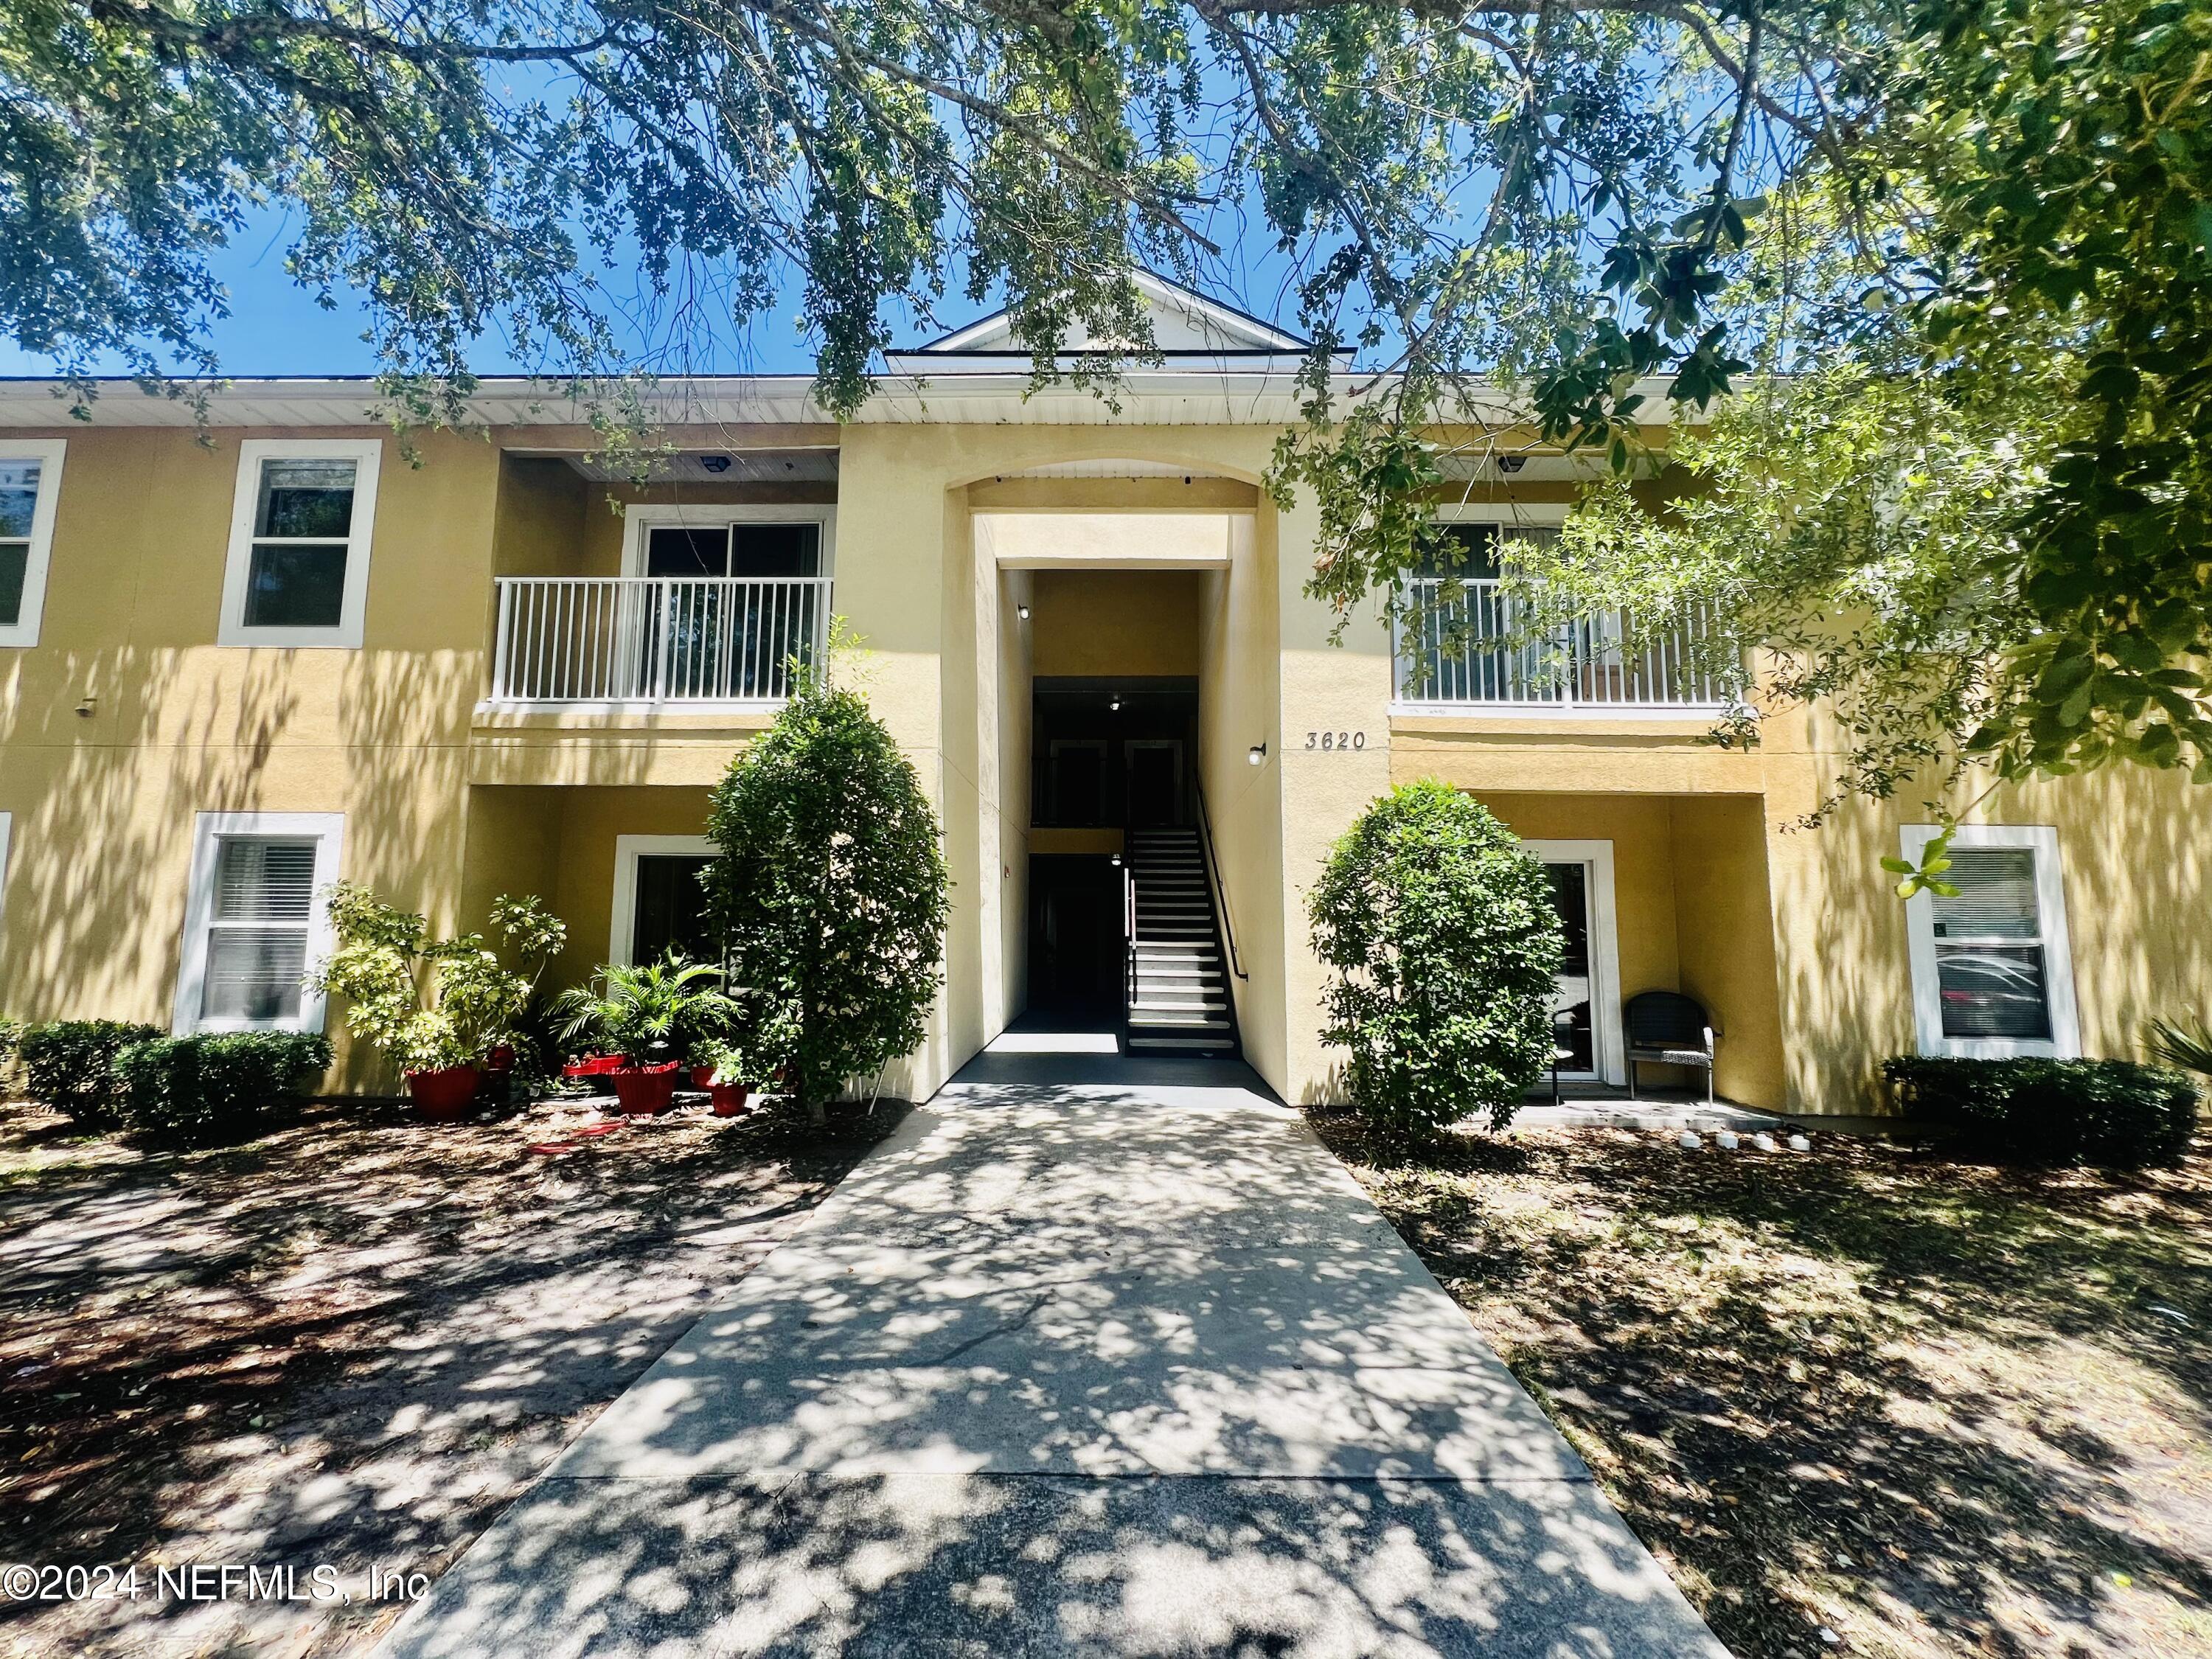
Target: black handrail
1220	887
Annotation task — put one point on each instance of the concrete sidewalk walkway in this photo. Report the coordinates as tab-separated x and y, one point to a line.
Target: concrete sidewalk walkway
1123	1365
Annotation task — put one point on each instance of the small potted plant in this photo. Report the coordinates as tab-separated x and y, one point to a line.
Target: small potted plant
655	1017
473	999
718	1068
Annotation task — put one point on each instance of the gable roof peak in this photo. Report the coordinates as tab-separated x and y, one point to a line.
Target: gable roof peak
1184	323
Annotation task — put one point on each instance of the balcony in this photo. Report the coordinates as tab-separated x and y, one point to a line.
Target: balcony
1466	643
566	641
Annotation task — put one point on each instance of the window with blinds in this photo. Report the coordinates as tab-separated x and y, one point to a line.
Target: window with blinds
257	930
19	511
1990	946
302	530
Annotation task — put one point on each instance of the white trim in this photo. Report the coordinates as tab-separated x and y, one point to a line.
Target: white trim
641	516
6	831
1690	713
1597	856
209	829
367	455
2042	840
48	452
621	927
1540	515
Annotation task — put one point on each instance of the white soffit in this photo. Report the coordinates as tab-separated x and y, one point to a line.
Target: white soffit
1110	541
696	466
1111	469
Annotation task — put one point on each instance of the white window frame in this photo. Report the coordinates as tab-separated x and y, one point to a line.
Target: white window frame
209	832
6	830
48	452
640	517
1597	856
367	455
622	931
2065	1040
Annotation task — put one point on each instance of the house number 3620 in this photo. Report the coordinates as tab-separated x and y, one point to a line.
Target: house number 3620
1336	740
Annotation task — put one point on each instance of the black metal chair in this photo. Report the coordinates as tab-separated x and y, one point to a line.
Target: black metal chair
1666	1028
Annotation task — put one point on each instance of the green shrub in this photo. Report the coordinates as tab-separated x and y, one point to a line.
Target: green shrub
215	1085
2114	1112
829	897
650	1013
70	1065
1444	948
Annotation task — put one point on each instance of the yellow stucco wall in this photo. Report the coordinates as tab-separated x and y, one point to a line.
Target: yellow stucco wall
1099	623
1791	935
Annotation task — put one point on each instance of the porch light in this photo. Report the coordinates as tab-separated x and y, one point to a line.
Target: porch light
714	463
1511	462
1114	703
1022	611
1117	861
1257	754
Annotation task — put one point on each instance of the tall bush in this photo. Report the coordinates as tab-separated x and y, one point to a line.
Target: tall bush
1443	948
829	897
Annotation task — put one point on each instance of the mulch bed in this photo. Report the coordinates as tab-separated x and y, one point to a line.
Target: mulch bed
1861	1400
346	1344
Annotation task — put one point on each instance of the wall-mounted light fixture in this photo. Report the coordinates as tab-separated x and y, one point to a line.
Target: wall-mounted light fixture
86	705
1117	861
1022	611
1257	754
1511	462
1114	702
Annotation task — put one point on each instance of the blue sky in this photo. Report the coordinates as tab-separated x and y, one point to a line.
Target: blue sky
276	327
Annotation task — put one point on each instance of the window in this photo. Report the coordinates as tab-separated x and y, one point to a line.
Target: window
30	482
255	922
298	574
658	904
1991	973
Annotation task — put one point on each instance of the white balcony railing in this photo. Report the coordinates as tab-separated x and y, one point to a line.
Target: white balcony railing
1467	642
655	638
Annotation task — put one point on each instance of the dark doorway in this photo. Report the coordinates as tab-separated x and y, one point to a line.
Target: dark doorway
671	908
1112	754
1075	937
1153	767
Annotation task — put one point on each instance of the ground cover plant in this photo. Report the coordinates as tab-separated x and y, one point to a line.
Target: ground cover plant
348	1342
1930	1408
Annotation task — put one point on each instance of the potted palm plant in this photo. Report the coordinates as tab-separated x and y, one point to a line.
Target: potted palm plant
655	1017
380	965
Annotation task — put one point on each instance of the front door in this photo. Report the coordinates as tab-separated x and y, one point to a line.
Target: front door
1575	996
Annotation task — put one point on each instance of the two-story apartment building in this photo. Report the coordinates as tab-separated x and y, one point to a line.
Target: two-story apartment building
238	662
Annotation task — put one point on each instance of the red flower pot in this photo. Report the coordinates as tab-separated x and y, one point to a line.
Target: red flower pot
644	1090
703	1076
443	1095
500	1059
729	1098
597	1065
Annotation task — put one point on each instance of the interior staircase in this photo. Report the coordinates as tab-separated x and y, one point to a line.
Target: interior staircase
1178	997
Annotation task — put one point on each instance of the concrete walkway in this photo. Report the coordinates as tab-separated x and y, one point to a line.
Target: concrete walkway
1094	1355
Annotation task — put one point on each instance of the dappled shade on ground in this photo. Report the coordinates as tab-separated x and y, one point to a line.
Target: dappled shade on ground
350	1342
1934	1408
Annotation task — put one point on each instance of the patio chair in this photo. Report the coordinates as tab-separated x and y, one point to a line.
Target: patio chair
1666	1028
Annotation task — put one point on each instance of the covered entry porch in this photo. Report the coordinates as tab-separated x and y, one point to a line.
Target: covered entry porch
1659	893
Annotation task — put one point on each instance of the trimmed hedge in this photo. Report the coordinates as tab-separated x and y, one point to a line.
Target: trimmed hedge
69	1064
2111	1112
217	1085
